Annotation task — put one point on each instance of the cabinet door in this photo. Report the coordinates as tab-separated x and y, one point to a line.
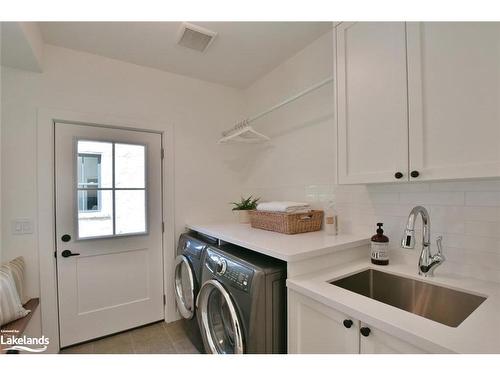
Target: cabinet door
379	342
454	99
371	102
314	328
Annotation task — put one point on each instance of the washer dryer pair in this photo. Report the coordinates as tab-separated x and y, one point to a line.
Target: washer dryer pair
188	266
241	306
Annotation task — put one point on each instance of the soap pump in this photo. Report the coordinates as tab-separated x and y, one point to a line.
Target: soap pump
379	247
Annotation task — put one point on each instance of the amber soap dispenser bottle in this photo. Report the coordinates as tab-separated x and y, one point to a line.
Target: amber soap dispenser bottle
379	247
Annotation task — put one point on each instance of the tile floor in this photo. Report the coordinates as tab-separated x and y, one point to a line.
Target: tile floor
156	338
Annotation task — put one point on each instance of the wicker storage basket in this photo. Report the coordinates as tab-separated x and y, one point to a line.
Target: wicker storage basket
287	223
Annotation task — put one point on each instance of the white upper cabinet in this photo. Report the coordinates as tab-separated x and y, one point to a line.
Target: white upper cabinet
422	99
372	102
454	99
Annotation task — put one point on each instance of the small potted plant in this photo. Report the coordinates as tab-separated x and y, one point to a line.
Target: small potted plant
243	207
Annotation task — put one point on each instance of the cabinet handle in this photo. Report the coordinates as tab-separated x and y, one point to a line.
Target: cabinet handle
398	175
365	331
348	323
414	174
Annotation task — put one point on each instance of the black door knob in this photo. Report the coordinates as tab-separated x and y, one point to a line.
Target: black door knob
348	323
414	174
66	238
365	331
68	253
398	175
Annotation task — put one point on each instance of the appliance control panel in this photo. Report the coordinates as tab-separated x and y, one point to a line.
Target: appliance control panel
191	245
235	273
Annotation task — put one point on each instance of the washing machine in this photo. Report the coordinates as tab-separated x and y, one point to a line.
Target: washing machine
188	267
241	305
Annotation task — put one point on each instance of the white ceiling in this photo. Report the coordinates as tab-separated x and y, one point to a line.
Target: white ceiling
241	53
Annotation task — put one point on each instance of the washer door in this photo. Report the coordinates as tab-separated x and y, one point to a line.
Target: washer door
184	287
220	325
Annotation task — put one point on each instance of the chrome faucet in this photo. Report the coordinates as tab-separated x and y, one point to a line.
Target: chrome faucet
427	263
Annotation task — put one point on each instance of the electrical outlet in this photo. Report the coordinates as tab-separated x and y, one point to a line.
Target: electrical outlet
22	226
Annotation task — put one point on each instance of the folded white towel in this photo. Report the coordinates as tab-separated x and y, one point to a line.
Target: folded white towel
289	207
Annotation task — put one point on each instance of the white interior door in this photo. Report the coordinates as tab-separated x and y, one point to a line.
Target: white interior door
109	230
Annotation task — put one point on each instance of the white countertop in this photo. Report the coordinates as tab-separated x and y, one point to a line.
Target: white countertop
290	248
479	333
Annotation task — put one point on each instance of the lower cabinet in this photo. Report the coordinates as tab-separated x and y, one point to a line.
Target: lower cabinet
379	342
314	328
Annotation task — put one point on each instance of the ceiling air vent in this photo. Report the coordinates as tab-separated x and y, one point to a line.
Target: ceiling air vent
195	37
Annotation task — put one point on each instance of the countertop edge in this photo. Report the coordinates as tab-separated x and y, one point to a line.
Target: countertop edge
307	254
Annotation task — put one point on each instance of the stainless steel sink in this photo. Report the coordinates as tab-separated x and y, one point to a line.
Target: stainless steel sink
443	305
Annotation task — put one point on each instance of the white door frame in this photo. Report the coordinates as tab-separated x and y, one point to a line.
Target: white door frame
45	187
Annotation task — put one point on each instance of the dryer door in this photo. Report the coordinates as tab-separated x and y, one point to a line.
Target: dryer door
220	325
184	287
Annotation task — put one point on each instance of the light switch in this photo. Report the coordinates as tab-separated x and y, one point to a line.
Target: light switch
22	226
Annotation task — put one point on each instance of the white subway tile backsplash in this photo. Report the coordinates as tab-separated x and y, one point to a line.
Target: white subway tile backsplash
487	185
470	269
447	219
472	243
481	228
399	188
481	213
379	197
434	198
401	210
482	198
486	259
465	213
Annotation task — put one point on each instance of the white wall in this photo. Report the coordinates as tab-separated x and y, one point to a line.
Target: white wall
299	160
81	82
300	164
22	45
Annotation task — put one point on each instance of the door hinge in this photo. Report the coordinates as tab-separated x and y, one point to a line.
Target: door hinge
164	300
55	254
163	227
162	153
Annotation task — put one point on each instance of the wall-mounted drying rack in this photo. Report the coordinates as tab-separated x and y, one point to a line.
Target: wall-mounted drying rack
243	132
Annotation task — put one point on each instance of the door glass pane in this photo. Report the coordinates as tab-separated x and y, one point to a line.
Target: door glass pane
95	164
129	166
220	323
95	213
130	211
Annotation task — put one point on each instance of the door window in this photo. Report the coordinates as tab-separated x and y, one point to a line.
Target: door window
111	189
